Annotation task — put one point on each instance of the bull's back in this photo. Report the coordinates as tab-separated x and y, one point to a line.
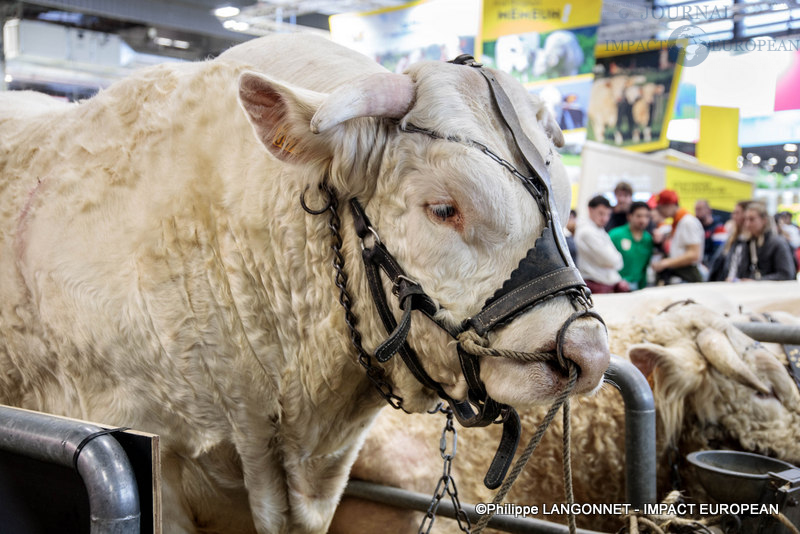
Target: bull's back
25	104
83	188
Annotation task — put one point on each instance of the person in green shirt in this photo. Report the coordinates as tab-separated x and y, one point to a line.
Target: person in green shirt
635	244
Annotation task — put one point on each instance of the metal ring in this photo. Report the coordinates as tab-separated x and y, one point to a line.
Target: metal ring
684	302
562	361
325	208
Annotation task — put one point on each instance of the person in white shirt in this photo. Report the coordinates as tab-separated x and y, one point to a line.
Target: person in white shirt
686	242
598	260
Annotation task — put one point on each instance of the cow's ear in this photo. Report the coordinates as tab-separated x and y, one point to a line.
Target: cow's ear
647	356
281	118
550	126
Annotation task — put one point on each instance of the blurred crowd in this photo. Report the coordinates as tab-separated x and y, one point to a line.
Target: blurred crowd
633	245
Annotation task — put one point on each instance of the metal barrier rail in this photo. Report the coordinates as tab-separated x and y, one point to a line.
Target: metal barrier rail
102	463
640	431
640	462
418	501
771	332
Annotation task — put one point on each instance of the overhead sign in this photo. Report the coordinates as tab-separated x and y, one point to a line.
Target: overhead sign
397	37
548	45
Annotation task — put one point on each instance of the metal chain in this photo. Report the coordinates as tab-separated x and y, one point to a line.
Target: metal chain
375	374
446	484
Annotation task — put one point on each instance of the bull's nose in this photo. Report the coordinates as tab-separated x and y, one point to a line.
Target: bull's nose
585	342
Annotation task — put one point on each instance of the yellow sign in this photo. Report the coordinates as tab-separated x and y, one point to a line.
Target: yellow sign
510	17
718	145
721	193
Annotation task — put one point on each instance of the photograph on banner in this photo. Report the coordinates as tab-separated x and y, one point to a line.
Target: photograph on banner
536	56
567	100
633	96
398	37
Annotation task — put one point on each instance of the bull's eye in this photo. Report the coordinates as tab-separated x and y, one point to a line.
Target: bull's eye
441	212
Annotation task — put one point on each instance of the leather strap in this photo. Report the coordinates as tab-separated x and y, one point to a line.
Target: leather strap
505	450
522	298
530	153
533	159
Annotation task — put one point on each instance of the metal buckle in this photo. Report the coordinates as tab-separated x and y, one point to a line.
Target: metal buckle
374	235
396	283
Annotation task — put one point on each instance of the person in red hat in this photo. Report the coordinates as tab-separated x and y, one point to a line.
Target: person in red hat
687	240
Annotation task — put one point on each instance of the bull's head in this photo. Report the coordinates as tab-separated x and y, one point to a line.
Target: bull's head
456	220
717	388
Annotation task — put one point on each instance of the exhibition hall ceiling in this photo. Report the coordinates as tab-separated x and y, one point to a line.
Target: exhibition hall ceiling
636	20
621	19
628	16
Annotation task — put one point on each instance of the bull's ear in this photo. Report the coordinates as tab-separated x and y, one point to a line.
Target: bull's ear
680	365
647	356
281	118
550	126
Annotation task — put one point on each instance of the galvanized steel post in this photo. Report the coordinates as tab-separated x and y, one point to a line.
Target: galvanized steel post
640	431
102	464
771	332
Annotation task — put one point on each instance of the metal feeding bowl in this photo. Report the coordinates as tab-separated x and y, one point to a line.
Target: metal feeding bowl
733	476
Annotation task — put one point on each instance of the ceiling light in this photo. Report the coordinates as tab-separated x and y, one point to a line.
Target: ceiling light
226	11
756	159
790	147
235	25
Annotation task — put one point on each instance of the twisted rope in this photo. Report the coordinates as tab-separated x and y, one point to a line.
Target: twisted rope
563	399
567	458
471	342
664	523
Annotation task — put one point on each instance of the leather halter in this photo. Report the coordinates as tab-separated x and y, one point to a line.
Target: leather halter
545	272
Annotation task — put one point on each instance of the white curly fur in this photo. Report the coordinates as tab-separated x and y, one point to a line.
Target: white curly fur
157	270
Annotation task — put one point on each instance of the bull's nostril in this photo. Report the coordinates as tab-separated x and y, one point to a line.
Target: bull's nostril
560	368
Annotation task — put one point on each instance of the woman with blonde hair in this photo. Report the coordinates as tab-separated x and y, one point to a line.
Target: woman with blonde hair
768	255
725	262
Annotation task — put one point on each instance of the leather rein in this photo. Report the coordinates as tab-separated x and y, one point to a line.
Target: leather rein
546	272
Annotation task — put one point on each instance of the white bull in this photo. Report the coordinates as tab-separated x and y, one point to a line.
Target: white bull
561	56
157	270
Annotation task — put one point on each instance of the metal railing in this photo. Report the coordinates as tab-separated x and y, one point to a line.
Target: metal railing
101	463
640	462
771	332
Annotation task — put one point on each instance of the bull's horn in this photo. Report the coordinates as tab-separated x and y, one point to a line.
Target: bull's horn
717	349
379	95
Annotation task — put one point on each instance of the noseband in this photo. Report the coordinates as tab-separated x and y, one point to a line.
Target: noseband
547	271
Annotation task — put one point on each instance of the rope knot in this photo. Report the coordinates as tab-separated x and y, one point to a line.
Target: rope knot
471	342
